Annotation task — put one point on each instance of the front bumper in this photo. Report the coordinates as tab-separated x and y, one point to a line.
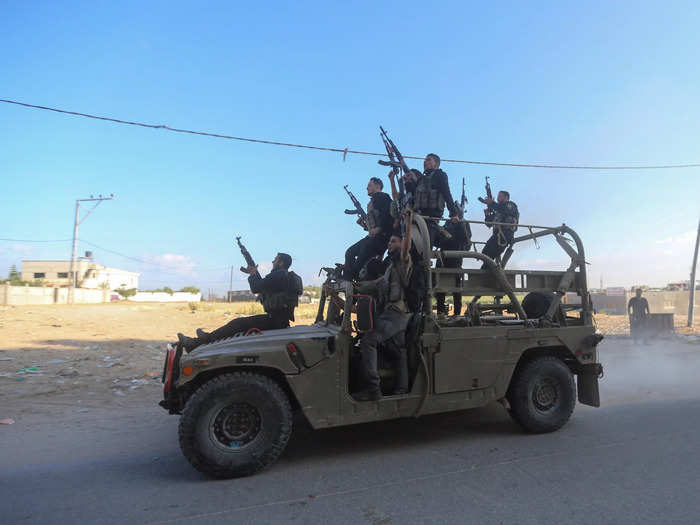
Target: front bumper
172	401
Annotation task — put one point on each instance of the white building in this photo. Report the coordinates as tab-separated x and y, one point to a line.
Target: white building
89	274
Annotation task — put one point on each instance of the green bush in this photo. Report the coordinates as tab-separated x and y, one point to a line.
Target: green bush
165	289
126	292
190	289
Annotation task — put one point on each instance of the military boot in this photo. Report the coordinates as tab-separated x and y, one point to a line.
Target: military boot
368	394
204	336
188	343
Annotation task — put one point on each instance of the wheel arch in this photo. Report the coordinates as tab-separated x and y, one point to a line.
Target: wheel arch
560	352
273	373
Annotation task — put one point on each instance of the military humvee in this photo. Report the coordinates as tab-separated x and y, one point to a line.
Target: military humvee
237	396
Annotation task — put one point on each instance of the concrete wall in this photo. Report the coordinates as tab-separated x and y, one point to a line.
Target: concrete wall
661	302
163	297
19	295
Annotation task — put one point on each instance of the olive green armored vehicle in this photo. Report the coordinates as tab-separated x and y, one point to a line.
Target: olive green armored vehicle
518	343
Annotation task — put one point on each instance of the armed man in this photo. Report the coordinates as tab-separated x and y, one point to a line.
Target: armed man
279	292
392	322
460	241
379	226
501	210
431	192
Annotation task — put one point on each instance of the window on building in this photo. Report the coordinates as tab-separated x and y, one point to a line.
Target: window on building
63	275
39	275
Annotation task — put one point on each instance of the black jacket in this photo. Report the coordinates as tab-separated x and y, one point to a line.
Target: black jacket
274	282
439	183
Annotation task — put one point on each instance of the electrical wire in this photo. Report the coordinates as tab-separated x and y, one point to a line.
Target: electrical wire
346	151
34	240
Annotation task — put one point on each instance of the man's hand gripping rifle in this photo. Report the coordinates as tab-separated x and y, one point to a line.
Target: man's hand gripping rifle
489	213
246	255
397	164
362	220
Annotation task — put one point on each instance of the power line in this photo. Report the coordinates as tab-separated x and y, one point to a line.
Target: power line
159	265
34	240
346	151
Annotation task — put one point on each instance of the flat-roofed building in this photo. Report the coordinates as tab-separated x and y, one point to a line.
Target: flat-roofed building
89	274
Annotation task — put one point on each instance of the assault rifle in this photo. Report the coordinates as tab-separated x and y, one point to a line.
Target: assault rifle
246	255
490	215
332	274
358	209
462	202
395	158
397	163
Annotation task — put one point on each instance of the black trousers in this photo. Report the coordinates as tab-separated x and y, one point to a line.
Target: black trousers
362	251
243	324
492	248
457	297
448	262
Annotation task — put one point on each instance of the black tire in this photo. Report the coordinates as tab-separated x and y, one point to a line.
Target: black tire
542	395
235	425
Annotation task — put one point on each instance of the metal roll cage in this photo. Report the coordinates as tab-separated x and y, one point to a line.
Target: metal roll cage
495	280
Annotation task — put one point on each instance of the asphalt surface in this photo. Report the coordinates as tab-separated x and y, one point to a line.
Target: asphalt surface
635	460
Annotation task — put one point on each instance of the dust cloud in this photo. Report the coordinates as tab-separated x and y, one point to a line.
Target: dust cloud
638	372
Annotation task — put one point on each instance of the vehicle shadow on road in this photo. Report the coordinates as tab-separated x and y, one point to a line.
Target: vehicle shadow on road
371	438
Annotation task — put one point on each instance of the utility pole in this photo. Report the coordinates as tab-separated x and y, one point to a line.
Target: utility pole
230	288
691	302
76	222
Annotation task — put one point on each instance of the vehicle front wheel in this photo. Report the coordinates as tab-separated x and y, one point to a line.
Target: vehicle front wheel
542	395
235	425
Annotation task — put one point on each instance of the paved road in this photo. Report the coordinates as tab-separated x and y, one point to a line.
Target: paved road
633	461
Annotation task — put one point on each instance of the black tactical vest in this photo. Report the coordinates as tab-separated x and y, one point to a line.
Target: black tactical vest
284	301
427	198
373	218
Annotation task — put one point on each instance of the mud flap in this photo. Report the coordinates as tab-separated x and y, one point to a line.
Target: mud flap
587	384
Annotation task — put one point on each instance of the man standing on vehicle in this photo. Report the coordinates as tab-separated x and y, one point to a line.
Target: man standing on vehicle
392	321
379	226
431	192
460	241
638	311
279	293
503	210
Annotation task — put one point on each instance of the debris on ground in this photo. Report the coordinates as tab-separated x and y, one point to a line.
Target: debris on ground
7	421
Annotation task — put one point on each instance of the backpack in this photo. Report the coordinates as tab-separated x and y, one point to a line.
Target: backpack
295	289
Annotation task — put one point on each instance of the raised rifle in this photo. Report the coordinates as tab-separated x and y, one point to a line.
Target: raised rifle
395	158
246	255
358	209
397	163
462	202
490	215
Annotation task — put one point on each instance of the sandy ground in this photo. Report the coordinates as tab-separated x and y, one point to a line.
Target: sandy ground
112	354
102	353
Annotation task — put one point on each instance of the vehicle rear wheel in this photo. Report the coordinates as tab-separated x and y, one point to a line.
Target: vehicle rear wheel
235	425
542	395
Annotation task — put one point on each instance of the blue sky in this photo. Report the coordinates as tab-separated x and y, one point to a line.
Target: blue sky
578	83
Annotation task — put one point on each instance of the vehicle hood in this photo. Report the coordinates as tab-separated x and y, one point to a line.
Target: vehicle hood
267	340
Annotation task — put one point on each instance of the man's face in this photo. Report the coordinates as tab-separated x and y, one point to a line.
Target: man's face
394	243
276	263
372	188
502	197
639	293
429	163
